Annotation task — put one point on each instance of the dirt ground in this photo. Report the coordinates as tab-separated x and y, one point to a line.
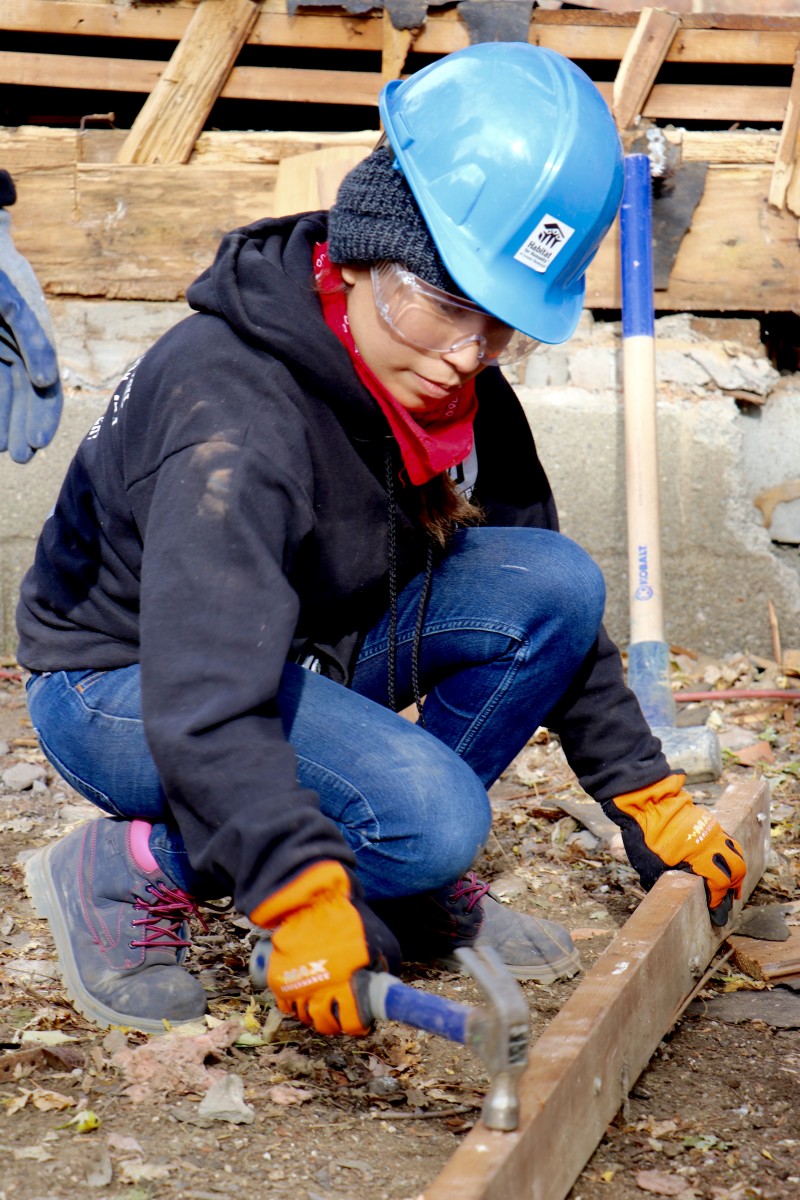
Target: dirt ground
254	1105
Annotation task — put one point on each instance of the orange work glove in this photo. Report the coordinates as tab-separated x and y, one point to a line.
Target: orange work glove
324	932
662	829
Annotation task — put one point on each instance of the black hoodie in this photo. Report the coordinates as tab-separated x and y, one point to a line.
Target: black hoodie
228	513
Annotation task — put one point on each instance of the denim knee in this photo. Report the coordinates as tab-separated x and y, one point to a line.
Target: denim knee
575	592
434	819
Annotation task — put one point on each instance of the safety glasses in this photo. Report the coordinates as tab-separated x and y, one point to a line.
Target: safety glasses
429	319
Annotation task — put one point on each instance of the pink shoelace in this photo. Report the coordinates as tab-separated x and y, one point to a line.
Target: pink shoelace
167	912
472	887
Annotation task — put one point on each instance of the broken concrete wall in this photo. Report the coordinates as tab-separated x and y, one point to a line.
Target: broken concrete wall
728	429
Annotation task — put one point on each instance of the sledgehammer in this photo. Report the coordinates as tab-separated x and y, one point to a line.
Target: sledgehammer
498	1032
693	750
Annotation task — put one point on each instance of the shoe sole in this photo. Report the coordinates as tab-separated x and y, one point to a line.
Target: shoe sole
563	968
41	889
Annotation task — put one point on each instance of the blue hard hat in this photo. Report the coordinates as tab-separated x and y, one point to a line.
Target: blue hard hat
516	164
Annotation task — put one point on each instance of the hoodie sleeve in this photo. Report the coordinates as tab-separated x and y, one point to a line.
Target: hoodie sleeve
218	614
602	729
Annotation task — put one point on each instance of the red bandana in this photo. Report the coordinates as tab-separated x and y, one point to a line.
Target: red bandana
446	438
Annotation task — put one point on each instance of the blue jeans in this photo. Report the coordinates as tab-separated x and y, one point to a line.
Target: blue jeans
510	617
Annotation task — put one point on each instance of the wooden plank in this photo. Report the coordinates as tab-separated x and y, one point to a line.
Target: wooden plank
640	64
768	961
787	156
584	1064
133	232
775	8
285	84
724	146
171	117
395	48
334	30
736	247
36	147
675	102
588	35
310	181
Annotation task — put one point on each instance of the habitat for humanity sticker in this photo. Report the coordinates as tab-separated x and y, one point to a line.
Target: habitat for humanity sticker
547	240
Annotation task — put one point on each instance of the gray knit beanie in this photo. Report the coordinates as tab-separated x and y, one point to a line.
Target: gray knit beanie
376	218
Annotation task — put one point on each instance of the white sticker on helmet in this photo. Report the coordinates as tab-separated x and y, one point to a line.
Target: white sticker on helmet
547	241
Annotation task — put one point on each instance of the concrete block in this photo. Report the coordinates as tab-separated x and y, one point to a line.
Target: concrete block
718	563
595	367
771	441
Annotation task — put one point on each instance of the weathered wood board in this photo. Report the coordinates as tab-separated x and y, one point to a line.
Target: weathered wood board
167	125
94	228
594	1049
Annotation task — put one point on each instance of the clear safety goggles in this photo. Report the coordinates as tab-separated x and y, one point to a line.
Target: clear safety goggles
429	319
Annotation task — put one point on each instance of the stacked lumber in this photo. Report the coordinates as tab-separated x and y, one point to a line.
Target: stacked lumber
123	195
589	37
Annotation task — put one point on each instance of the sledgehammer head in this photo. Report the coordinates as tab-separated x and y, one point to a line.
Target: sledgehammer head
694	750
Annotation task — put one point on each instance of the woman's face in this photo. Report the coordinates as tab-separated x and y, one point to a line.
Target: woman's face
424	382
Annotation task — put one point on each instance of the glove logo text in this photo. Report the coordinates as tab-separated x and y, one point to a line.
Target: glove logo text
305	975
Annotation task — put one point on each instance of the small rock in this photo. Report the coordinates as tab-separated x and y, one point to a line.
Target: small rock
224	1101
22	776
509	888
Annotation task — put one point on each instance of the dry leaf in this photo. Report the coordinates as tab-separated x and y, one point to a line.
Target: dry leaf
660	1183
286	1093
45	1037
123	1143
83	1122
35	1153
18	1102
47	1101
135	1171
748	756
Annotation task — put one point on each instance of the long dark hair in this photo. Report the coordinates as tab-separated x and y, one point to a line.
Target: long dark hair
443	508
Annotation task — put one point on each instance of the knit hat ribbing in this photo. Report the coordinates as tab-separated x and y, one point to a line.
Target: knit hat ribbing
376	218
8	193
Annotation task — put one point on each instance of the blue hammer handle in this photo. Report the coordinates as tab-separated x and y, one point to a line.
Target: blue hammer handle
380	995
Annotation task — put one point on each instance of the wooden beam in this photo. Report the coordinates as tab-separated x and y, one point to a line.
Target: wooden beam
737	247
168	123
789	145
641	63
116	236
585	1063
675	102
283	84
396	45
306	182
578	34
774	8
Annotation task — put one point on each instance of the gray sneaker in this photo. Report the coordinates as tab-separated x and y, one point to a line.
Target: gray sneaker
432	925
119	925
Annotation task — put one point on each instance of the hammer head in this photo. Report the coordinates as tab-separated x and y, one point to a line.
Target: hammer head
499	1032
695	750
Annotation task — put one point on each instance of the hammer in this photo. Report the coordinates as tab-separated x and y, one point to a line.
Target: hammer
694	751
498	1032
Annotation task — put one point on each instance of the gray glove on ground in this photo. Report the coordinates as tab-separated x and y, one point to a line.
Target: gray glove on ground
30	387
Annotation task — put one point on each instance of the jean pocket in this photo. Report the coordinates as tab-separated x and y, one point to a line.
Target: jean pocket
82	681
